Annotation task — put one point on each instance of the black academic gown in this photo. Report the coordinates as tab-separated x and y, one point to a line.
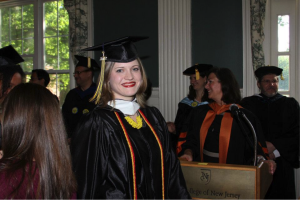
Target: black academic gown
240	151
76	104
103	161
185	106
279	117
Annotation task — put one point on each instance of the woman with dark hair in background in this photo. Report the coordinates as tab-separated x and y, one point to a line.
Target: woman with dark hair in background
122	149
197	96
11	74
36	161
214	135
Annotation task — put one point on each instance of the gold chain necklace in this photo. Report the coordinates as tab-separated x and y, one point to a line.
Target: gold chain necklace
138	124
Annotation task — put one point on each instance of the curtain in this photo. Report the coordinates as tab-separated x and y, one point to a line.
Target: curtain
78	26
257	12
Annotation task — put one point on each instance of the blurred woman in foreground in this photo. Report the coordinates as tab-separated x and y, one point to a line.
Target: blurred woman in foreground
36	161
215	135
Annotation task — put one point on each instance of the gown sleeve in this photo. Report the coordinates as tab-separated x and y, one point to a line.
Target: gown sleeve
288	142
174	180
196	118
261	143
89	149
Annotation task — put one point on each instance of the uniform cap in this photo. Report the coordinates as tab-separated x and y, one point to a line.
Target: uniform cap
121	50
87	62
201	68
264	70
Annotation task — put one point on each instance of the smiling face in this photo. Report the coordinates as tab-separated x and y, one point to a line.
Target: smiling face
125	80
197	84
269	85
83	76
214	88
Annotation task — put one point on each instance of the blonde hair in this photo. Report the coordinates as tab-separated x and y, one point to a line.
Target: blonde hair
107	94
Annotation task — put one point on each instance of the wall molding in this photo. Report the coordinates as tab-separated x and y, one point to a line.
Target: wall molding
174	35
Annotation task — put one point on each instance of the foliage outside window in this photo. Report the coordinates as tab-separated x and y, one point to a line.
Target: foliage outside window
19	28
284	50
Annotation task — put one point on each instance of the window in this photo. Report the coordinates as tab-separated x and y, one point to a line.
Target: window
283	50
39	31
281	42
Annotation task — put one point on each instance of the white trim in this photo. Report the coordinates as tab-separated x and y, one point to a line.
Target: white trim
13	3
174	39
154	98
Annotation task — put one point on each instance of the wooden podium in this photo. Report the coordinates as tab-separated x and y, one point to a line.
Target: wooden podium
224	181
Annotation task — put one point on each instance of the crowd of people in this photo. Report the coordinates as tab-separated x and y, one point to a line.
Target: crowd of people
107	143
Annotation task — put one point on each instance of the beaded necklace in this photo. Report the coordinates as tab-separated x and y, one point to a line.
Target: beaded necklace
138	124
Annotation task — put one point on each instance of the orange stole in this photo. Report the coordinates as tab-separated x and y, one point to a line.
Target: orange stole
225	130
179	143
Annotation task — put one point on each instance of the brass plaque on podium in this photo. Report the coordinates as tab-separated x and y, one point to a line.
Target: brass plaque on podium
221	181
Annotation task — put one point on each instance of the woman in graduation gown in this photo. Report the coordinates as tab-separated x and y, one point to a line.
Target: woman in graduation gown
215	135
197	96
121	149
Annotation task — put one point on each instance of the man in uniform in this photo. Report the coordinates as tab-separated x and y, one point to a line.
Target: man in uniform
77	101
279	117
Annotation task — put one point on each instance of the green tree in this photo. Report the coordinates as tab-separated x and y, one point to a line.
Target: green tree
17	28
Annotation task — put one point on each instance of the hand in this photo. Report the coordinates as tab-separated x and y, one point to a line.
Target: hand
171	127
270	147
1	154
272	166
272	156
188	155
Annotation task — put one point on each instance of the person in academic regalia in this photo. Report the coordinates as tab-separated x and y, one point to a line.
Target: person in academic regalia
197	96
215	135
121	149
77	102
11	75
279	117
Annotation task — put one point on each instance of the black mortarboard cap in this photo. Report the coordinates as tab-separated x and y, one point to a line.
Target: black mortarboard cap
9	56
264	70
87	62
120	50
200	67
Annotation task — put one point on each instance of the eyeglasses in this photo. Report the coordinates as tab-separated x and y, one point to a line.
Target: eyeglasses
269	81
79	72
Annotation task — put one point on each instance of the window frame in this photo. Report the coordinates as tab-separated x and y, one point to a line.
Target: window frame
38	57
271	42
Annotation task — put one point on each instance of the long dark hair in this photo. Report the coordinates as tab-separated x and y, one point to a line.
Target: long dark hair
230	87
33	134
